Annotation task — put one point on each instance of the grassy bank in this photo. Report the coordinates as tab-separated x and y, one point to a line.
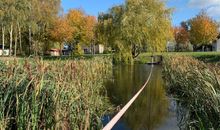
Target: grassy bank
196	86
204	56
54	94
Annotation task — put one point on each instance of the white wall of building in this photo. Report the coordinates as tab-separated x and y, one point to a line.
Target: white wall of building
216	46
99	48
6	52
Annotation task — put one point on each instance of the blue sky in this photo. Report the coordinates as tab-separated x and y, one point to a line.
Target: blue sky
183	9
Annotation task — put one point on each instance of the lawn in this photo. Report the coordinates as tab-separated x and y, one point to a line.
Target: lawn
203	56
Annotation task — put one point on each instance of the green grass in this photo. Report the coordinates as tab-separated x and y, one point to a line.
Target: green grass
181	53
204	56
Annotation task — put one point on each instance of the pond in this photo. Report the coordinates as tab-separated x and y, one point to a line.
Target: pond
153	109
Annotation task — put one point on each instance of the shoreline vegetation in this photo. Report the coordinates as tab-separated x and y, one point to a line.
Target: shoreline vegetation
57	94
196	86
69	92
207	57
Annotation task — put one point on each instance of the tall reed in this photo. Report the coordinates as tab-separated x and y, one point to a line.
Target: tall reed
38	94
196	85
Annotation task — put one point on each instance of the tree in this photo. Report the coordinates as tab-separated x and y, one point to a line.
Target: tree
21	7
103	28
76	28
40	18
181	36
30	18
203	30
9	18
147	22
90	22
2	12
135	25
83	26
61	31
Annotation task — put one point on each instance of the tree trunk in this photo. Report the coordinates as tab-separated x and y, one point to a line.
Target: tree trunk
135	51
203	48
11	39
60	49
30	42
16	41
92	49
3	40
19	35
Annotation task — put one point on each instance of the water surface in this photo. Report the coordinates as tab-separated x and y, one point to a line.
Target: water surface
152	110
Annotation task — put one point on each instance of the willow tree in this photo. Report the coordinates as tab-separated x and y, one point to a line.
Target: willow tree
136	25
146	23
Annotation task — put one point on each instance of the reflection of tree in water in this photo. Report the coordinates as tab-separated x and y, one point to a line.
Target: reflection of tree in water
151	107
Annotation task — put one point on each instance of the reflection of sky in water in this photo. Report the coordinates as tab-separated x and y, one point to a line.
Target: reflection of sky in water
151	110
119	126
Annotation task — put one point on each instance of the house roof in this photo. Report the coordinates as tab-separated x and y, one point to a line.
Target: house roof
55	50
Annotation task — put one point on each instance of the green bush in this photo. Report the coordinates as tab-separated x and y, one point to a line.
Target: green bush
123	58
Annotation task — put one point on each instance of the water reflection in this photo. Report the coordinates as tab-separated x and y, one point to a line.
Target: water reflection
150	110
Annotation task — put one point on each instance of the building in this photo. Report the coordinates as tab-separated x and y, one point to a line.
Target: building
171	46
54	52
67	50
6	51
216	45
97	49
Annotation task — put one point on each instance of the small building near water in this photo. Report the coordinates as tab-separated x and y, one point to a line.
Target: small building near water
55	52
96	49
171	46
216	45
99	49
6	51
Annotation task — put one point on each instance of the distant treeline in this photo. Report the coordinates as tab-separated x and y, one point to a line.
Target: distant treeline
25	24
34	26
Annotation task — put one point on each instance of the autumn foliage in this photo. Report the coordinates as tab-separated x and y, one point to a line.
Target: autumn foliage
90	22
203	30
181	35
75	27
62	31
83	26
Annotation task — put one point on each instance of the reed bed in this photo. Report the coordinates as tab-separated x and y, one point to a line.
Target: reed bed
196	86
38	94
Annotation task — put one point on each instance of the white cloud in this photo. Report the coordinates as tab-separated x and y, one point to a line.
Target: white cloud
211	6
214	11
203	3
